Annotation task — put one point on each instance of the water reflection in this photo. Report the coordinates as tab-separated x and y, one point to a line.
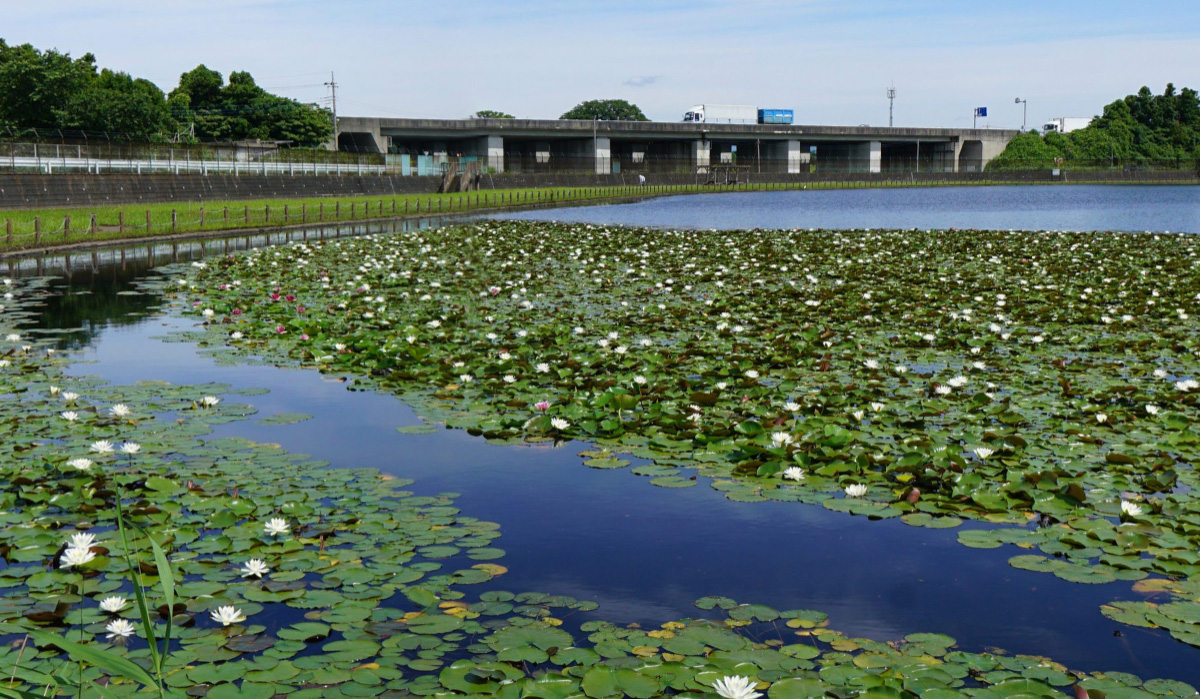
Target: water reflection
644	553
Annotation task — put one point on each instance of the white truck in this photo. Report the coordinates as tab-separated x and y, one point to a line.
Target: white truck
1066	124
723	114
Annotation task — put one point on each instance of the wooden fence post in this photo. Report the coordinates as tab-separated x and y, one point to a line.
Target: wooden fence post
174	220
147	220
92	225
8	229
321	212
268	213
304	212
37	230
121	222
246	213
351	209
285	213
66	228
393	205
225	214
202	217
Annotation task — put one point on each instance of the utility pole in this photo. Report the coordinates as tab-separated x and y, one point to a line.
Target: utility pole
332	85
891	99
1024	107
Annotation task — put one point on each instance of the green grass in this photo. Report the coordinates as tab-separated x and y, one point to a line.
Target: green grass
42	228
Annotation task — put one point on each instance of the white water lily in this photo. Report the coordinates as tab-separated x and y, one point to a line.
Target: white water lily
877	407
80	464
858	415
119	410
791	406
1131	509
751	374
983	452
1101	418
113	604
794	473
1187	385
943	390
781	439
958	381
119	628
559	424
276	526
639	380
102	446
736	687
509	378
542	368
255	568
236	335
209	401
227	615
69	415
75	557
70	396
130	448
81	540
1152	409
856	490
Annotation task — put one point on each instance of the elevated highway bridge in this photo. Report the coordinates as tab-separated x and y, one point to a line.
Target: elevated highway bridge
550	145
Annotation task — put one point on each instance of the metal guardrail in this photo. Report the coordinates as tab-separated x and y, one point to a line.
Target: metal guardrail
202	167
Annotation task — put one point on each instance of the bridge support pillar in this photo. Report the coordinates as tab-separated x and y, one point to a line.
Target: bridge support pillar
701	154
491	149
602	152
866	156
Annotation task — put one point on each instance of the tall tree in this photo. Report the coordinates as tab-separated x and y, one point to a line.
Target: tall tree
36	86
1139	128
491	114
605	110
240	109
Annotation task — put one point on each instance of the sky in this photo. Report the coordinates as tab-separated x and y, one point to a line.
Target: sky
831	61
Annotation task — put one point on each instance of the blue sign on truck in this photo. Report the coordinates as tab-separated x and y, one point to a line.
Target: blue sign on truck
775	116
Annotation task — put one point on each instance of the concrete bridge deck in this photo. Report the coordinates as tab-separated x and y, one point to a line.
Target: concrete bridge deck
631	146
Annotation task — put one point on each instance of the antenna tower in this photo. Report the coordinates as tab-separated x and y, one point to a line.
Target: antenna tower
891	99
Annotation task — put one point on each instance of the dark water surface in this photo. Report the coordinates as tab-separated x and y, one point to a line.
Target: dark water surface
1173	209
644	553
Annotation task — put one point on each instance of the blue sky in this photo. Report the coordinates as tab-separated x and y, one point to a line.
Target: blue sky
831	61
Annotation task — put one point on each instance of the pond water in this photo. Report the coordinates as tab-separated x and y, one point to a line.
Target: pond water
645	553
1073	208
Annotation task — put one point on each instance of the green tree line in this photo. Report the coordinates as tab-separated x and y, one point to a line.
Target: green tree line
1141	129
50	90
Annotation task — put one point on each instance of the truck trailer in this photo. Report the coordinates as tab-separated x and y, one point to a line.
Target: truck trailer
737	114
723	114
1065	124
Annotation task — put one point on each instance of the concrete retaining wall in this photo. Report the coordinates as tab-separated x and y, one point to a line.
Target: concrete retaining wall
27	191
